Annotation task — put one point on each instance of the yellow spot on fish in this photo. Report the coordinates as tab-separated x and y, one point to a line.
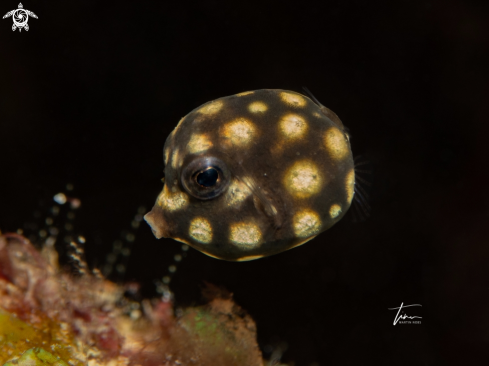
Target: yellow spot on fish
245	235
239	132
244	93
237	193
316	114
334	211
306	223
211	108
172	201
201	230
350	185
199	143
293	126
175	158
303	179
249	258
336	144
294	100
257	107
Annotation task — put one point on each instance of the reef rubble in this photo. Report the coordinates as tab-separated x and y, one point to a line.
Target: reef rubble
49	316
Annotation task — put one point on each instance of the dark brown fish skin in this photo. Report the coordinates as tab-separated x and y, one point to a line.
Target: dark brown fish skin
290	175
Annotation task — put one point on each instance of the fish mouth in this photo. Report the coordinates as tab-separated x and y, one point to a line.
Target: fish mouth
155	220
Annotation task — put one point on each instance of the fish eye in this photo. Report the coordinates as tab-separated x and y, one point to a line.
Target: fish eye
205	178
208	177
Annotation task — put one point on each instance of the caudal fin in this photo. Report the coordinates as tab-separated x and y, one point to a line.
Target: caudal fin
361	208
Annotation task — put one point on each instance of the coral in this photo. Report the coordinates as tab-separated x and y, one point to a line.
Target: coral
51	317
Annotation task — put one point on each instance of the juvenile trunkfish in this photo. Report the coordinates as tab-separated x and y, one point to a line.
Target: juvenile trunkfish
254	174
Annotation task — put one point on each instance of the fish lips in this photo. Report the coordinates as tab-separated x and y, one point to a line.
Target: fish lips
155	220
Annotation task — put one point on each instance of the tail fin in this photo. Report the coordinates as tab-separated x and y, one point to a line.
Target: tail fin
360	210
360	206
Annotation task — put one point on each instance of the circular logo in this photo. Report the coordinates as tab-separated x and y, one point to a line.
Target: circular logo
20	17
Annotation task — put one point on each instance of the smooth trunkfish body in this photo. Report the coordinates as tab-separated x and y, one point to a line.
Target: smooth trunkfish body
254	174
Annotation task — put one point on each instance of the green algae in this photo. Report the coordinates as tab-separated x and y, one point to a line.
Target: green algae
206	325
13	330
37	357
220	333
18	337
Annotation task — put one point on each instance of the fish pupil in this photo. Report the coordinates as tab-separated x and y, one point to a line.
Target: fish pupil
208	178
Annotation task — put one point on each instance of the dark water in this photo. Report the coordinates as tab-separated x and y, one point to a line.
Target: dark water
90	93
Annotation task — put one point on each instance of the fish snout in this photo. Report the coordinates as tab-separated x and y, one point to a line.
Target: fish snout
155	220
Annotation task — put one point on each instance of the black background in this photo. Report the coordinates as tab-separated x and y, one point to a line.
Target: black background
90	93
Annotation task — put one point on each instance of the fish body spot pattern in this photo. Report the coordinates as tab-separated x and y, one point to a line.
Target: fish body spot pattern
254	174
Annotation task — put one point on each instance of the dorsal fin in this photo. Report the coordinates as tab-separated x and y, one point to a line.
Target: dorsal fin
326	111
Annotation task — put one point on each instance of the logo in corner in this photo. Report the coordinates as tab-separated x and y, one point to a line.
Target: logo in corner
20	17
403	318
